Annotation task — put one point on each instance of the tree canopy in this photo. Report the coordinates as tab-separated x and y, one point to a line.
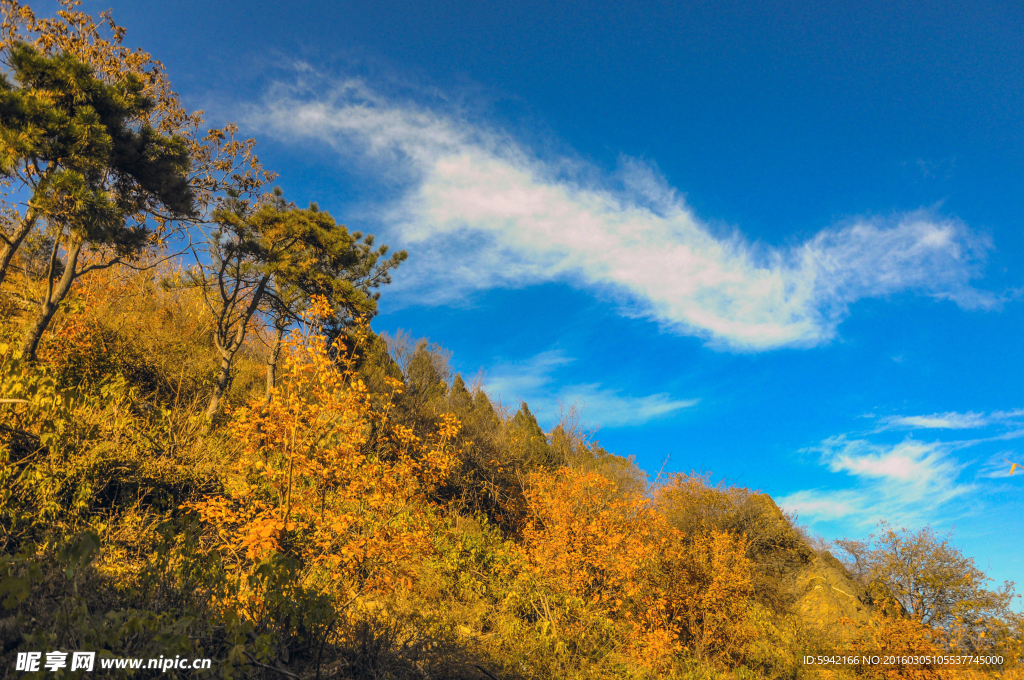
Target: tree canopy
934	582
83	153
275	258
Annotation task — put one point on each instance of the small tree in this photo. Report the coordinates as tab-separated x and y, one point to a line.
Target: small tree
935	582
272	258
529	441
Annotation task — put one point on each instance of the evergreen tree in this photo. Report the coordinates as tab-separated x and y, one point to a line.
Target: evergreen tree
527	423
529	439
426	381
89	165
482	405
483	414
276	256
376	365
459	398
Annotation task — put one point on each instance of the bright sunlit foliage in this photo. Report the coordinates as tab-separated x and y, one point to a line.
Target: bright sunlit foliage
329	502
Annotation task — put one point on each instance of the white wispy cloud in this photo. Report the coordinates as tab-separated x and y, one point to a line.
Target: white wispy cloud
481	210
533	381
911	482
817	504
909	462
907	483
512	380
999	464
603	407
950	420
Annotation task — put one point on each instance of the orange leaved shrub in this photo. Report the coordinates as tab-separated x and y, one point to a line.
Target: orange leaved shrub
326	477
613	550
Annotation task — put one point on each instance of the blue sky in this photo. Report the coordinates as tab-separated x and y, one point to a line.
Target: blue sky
779	242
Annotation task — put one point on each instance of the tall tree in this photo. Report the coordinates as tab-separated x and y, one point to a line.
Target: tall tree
88	165
459	397
137	127
343	268
529	440
272	258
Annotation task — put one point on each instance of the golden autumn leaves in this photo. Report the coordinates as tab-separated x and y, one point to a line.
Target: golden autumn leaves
597	575
616	553
324	475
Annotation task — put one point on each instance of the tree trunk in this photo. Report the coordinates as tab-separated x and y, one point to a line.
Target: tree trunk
50	305
10	245
228	346
275	352
220	386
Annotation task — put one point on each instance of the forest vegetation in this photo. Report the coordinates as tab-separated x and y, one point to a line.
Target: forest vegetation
206	451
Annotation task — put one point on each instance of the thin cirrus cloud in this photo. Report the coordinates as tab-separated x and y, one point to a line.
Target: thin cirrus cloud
603	407
531	381
1000	465
950	421
908	483
481	210
911	482
511	380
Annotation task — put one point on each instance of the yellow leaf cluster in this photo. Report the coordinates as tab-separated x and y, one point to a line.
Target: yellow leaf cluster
324	475
614	551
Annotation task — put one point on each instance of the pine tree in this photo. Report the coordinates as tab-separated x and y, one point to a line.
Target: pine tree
89	168
426	384
529	439
277	257
459	398
483	416
527	423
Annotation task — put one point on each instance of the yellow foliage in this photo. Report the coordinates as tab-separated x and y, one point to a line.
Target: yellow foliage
324	475
669	593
